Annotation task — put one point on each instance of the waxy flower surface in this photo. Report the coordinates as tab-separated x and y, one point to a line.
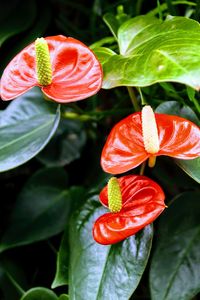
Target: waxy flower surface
145	135
141	201
64	68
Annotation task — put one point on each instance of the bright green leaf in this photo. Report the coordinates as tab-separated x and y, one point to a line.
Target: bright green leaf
174	270
40	211
97	271
148	53
66	145
26	126
39	293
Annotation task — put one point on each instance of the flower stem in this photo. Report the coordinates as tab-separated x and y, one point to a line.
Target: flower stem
152	161
142	168
133	98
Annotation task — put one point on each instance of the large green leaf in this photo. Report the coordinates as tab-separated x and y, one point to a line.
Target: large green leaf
175	271
154	51
12	23
77	196
39	293
26	126
97	271
66	145
40	211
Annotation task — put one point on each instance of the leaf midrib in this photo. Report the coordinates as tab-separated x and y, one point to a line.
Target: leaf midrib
25	135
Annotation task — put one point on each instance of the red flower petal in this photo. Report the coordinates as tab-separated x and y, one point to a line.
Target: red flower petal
143	201
178	137
77	74
19	76
124	148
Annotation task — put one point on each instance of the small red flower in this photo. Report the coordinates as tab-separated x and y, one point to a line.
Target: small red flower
75	72
142	203
126	145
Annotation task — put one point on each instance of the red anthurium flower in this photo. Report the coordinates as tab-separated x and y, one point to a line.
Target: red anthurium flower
64	68
142	201
145	135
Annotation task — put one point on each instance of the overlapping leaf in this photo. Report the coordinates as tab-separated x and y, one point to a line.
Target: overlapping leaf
154	51
26	126
174	271
97	271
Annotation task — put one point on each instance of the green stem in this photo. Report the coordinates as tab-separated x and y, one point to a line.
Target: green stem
133	98
196	104
18	287
163	7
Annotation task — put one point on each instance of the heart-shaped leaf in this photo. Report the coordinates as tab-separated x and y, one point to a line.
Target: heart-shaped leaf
148	53
26	126
175	268
40	211
96	270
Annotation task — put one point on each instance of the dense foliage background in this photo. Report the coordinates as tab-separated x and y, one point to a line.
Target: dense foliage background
42	198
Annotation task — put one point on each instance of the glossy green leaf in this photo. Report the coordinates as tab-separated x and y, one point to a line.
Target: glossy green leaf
39	293
26	126
40	211
191	167
177	109
175	268
97	271
66	145
12	23
62	268
77	197
103	54
148	53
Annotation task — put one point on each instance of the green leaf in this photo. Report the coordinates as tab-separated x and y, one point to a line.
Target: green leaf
103	54
148	53
175	268
12	23
26	126
62	268
96	270
39	293
77	196
66	145
41	209
64	297
177	109
112	23
191	167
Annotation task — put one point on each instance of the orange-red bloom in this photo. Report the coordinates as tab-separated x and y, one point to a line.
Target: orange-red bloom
124	148
142	203
76	73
